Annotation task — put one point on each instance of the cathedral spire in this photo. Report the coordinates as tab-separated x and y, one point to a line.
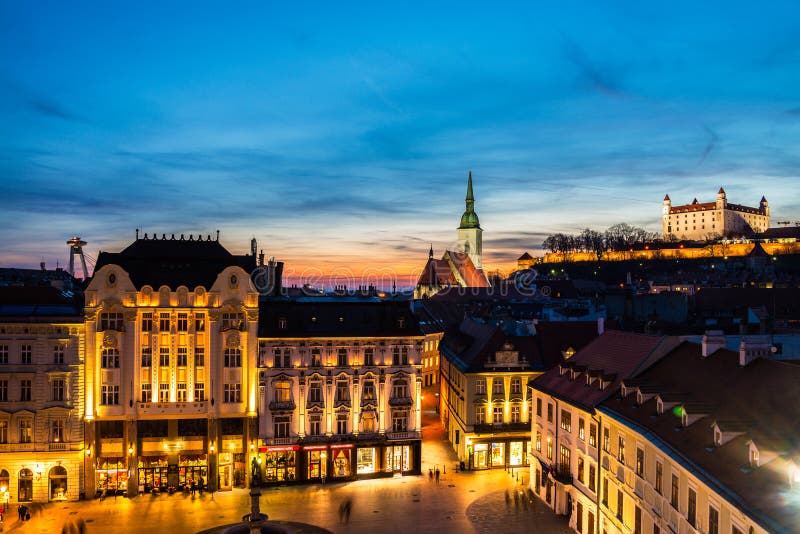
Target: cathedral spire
470	218
430	252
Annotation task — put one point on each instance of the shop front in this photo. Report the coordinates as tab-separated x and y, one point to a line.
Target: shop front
111	475
498	453
58	483
153	473
366	461
192	469
397	458
316	458
279	463
341	459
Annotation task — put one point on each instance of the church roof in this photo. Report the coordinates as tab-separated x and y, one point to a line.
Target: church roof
470	219
472	276
450	270
437	273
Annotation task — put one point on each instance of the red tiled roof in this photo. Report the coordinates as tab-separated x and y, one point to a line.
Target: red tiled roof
466	269
436	273
616	354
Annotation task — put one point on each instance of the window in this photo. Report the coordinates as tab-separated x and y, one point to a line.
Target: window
606	439
538	442
674	495
283	392
713	520
58	354
566	421
281	425
342	390
620	505
233	321
396	356
621	449
4	390
182	392
368	422
233	358
400	389
538	407
516	413
183	356
147	357
549	412
109	395
516	386
199	322
580	469
480	415
25	430
404	355
591	478
163	356
24	390
316	358
57	388
497	414
283	323
163	322
57	431
199	356
111	321
183	322
659	477
579	517
549	449
593	434
163	392
369	356
581	430
341	423
368	390
734	530
232	393
287	358
341	358
276	358
315	425
147	322
480	386
637	520
691	511
110	359
4	433
147	392
25	354
400	421
315	391
640	462
563	459
199	391
605	492
3	354
497	386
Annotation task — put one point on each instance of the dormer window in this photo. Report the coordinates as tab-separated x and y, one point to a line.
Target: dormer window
753	456
282	323
569	353
717	437
659	406
639	397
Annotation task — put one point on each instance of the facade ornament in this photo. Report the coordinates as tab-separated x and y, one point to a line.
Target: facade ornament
232	342
109	340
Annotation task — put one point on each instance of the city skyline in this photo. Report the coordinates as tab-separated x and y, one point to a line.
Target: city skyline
341	138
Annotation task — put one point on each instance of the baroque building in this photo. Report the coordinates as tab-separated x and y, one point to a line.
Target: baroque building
340	389
704	220
42	450
171	379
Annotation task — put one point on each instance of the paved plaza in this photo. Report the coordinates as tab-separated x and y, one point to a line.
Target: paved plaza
462	502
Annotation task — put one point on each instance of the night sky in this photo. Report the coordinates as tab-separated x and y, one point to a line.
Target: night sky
340	135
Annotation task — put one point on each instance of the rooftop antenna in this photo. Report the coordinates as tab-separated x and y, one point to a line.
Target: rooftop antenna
76	245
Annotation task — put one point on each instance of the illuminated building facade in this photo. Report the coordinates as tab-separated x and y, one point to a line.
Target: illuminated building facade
701	220
484	401
171	378
41	395
340	389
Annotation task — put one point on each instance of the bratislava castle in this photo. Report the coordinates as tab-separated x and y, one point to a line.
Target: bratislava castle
703	220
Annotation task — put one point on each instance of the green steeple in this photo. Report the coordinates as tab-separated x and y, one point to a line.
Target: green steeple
470	218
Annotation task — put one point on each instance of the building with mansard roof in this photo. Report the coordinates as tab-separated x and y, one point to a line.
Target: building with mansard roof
171	377
703	220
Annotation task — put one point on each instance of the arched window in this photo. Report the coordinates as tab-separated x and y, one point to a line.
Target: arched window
58	483
5	481
25	492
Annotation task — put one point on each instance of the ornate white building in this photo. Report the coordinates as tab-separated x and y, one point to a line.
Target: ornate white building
171	379
702	220
340	390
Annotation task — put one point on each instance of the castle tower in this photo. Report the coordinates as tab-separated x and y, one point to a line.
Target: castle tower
665	207
469	232
764	205
722	199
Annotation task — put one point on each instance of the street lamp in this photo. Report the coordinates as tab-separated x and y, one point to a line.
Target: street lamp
210	454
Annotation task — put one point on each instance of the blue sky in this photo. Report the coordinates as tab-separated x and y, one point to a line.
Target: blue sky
340	136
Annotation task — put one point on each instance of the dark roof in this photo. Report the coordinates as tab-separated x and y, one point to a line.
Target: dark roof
175	262
781	233
337	319
759	399
471	344
614	355
37	304
525	256
781	303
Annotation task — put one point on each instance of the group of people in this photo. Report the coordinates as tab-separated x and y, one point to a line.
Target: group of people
23	512
523	497
433	473
199	485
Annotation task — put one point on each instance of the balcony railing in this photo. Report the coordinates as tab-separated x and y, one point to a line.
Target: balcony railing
172	408
58	446
281	406
400	401
562	475
489	428
289	440
408	434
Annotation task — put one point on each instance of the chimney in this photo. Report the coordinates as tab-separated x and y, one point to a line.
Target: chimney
601	326
41	266
713	340
752	348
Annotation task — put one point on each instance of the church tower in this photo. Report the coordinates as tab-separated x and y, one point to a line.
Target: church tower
469	233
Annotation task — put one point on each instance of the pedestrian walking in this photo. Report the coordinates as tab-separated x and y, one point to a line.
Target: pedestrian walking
341	513
437	475
348	505
524	500
508	500
430	474
19	511
516	500
202	485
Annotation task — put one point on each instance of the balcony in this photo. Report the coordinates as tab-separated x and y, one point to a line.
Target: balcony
370	436
172	408
408	434
58	446
288	440
282	406
491	428
562	475
366	401
400	401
